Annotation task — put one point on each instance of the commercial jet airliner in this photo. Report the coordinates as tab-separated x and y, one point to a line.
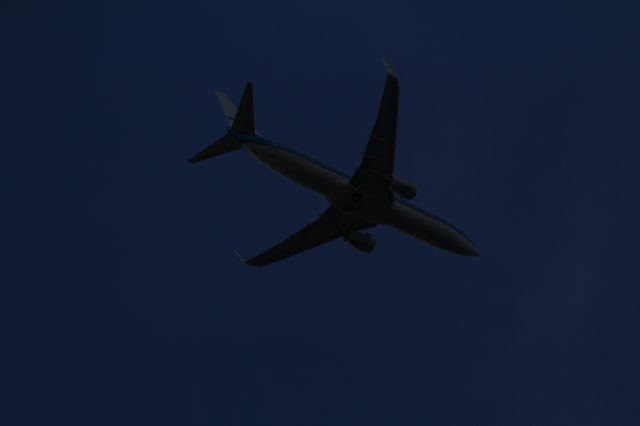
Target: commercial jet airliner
357	202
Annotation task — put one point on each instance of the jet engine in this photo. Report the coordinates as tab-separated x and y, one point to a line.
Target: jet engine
361	241
403	189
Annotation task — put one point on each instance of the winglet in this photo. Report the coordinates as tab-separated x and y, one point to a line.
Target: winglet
250	262
387	67
242	259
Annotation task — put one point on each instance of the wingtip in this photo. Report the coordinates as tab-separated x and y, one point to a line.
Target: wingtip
240	258
250	262
387	67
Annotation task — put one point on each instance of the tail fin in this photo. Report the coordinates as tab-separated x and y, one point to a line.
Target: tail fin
243	120
228	107
239	119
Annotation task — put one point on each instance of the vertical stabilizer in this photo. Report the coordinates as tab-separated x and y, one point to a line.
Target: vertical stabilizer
243	121
227	106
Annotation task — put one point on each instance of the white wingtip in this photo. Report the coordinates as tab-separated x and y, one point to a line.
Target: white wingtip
242	259
387	67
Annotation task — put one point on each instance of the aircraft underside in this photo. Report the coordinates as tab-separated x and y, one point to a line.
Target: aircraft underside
361	205
357	203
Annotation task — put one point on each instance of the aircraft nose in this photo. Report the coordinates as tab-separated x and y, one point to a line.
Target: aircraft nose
471	250
460	244
466	247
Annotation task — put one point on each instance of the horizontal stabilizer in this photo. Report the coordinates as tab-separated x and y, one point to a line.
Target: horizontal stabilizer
223	145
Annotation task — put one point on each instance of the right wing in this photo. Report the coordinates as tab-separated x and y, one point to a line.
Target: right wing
376	170
331	225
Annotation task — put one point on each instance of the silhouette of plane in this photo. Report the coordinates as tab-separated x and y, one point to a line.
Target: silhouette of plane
357	202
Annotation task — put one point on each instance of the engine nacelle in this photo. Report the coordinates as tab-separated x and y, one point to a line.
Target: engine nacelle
403	189
361	241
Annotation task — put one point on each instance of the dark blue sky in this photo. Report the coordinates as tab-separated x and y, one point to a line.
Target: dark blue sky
121	299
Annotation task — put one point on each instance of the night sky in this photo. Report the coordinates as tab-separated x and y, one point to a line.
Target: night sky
122	302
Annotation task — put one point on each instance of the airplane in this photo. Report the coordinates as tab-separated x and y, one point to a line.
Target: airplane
372	195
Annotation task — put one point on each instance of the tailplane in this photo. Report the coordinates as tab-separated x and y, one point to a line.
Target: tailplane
240	120
223	145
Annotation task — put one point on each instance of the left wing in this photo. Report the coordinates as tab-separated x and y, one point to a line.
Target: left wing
331	225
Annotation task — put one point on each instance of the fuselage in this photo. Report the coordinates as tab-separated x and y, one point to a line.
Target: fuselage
334	186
